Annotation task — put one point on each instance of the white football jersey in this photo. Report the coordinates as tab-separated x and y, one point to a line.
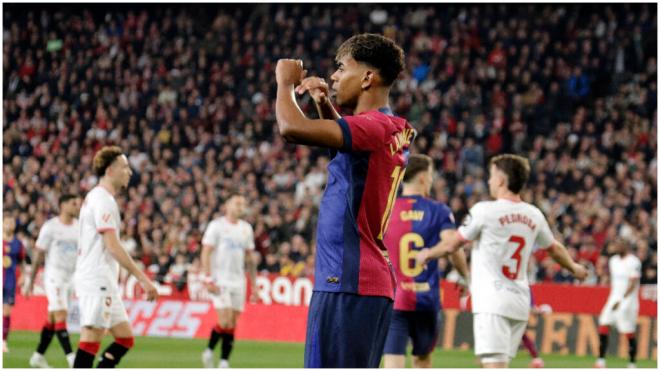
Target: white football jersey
229	241
60	243
504	233
621	271
97	272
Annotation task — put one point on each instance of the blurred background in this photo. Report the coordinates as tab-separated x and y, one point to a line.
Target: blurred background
188	92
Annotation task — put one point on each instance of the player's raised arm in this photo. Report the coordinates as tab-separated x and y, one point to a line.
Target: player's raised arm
111	242
294	126
558	253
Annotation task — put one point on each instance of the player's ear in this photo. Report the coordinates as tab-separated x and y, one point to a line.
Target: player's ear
368	79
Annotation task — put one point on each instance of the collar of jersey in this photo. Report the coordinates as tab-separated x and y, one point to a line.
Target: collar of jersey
386	110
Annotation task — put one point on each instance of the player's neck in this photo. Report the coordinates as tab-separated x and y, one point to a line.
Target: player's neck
6	237
505	194
230	219
66	219
105	183
372	100
411	190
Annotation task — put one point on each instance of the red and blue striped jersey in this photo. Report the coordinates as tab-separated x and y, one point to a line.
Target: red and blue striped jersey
416	224
12	254
363	178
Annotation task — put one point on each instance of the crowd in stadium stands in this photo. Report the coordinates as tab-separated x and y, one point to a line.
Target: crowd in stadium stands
188	92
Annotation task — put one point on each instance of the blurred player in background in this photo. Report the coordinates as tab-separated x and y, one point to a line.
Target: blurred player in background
13	254
504	231
417	223
97	269
354	288
622	306
228	246
58	239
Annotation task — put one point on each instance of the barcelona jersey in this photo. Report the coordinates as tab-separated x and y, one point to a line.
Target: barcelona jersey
416	224
13	253
363	178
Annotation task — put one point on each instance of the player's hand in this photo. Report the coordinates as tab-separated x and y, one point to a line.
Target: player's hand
254	295
149	289
317	88
422	258
580	272
616	305
212	288
289	71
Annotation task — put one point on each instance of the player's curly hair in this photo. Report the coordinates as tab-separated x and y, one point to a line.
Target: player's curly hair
515	167
104	158
377	51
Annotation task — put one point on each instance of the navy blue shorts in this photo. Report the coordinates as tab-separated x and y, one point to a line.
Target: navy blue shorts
421	327
346	330
8	295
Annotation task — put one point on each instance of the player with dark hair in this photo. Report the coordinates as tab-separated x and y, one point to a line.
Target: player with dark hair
418	223
504	232
622	306
58	238
354	288
228	247
13	254
97	269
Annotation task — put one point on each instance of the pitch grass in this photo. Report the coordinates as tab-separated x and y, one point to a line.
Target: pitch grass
151	352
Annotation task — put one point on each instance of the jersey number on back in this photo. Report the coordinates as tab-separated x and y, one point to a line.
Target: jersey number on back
516	256
407	254
397	175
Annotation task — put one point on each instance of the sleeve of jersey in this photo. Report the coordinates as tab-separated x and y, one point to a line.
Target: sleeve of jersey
103	217
362	133
44	239
636	271
250	238
209	237
471	228
448	222
544	239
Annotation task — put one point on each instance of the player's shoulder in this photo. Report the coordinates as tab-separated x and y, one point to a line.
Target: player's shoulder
483	206
245	224
633	259
438	206
50	223
100	195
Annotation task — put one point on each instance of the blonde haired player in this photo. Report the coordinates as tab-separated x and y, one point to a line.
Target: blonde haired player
97	270
58	243
622	307
228	245
504	232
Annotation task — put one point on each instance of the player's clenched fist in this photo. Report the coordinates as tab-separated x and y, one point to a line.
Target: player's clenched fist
289	71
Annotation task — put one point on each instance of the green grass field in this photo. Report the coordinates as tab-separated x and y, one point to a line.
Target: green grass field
152	352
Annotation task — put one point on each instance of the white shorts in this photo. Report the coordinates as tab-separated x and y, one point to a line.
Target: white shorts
496	338
625	317
58	293
229	298
101	311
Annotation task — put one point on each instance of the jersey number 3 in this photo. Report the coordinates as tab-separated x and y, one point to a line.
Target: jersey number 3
516	256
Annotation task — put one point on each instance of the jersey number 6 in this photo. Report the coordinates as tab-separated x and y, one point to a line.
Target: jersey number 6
407	254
